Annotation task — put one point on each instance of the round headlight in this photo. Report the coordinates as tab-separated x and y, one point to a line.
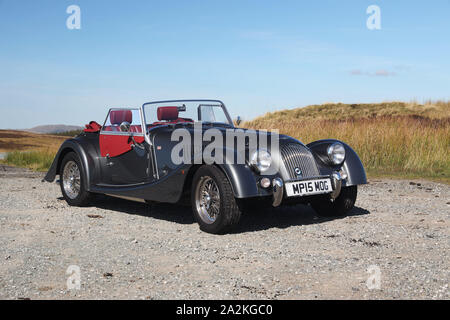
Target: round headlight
261	160
336	153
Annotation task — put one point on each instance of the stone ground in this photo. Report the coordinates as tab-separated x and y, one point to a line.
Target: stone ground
126	250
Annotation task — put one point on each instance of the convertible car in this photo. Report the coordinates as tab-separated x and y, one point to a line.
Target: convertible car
136	155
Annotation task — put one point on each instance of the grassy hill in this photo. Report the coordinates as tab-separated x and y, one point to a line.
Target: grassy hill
392	138
54	129
342	111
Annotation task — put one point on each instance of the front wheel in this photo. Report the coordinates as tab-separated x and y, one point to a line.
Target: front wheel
326	207
213	202
71	181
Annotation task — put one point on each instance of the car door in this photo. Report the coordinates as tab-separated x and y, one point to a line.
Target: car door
124	152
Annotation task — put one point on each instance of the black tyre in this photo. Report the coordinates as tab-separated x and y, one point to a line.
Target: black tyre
71	181
213	202
326	207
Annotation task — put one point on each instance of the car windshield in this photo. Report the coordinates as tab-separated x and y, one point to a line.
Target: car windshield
185	112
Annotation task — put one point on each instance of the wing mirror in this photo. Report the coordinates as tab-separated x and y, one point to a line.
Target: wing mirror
125	126
238	121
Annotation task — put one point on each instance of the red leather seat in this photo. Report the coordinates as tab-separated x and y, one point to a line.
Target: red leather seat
116	117
119	116
168	115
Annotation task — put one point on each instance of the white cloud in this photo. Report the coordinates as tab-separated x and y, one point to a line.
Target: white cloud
377	73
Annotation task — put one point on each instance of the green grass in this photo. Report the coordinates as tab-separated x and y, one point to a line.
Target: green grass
39	160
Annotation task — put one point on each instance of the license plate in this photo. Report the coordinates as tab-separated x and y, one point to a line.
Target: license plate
308	187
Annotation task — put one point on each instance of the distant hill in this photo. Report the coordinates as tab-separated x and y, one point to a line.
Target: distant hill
342	111
54	128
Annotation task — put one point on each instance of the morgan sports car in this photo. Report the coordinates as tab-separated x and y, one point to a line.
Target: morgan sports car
161	152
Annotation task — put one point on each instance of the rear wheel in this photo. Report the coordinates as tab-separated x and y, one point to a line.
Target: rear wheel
71	181
213	202
326	207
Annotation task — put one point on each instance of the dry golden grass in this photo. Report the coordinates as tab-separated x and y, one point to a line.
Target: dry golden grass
30	150
12	140
394	139
341	111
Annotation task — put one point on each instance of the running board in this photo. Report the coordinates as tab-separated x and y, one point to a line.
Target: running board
126	198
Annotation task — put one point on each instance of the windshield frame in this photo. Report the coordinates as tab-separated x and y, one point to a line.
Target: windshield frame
201	101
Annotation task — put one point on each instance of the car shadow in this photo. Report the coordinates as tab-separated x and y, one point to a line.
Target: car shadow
162	211
256	220
285	217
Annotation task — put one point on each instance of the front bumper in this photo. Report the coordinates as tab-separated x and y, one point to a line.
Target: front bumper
278	188
278	191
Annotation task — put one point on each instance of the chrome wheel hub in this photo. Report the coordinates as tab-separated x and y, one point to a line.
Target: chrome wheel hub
71	179
207	200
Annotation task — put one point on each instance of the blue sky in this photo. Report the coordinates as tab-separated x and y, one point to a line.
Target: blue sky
257	56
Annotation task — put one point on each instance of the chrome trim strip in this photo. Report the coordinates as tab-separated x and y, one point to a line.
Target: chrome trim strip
309	178
126	198
119	133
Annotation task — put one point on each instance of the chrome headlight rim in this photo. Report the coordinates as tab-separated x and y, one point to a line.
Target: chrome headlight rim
260	160
336	153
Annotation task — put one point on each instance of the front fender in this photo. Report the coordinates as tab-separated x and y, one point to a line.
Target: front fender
243	180
352	164
87	163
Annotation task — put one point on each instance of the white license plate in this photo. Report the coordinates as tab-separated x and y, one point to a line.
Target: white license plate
308	187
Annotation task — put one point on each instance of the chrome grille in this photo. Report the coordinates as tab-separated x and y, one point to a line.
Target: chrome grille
298	156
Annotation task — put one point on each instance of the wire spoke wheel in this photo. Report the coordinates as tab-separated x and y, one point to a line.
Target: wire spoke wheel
71	179
207	199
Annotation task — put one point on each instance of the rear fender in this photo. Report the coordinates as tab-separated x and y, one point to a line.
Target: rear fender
87	162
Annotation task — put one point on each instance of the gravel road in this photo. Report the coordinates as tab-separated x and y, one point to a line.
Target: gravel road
399	230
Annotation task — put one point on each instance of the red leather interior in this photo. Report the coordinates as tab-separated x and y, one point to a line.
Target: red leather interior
115	145
167	113
118	116
92	127
133	128
111	128
136	128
